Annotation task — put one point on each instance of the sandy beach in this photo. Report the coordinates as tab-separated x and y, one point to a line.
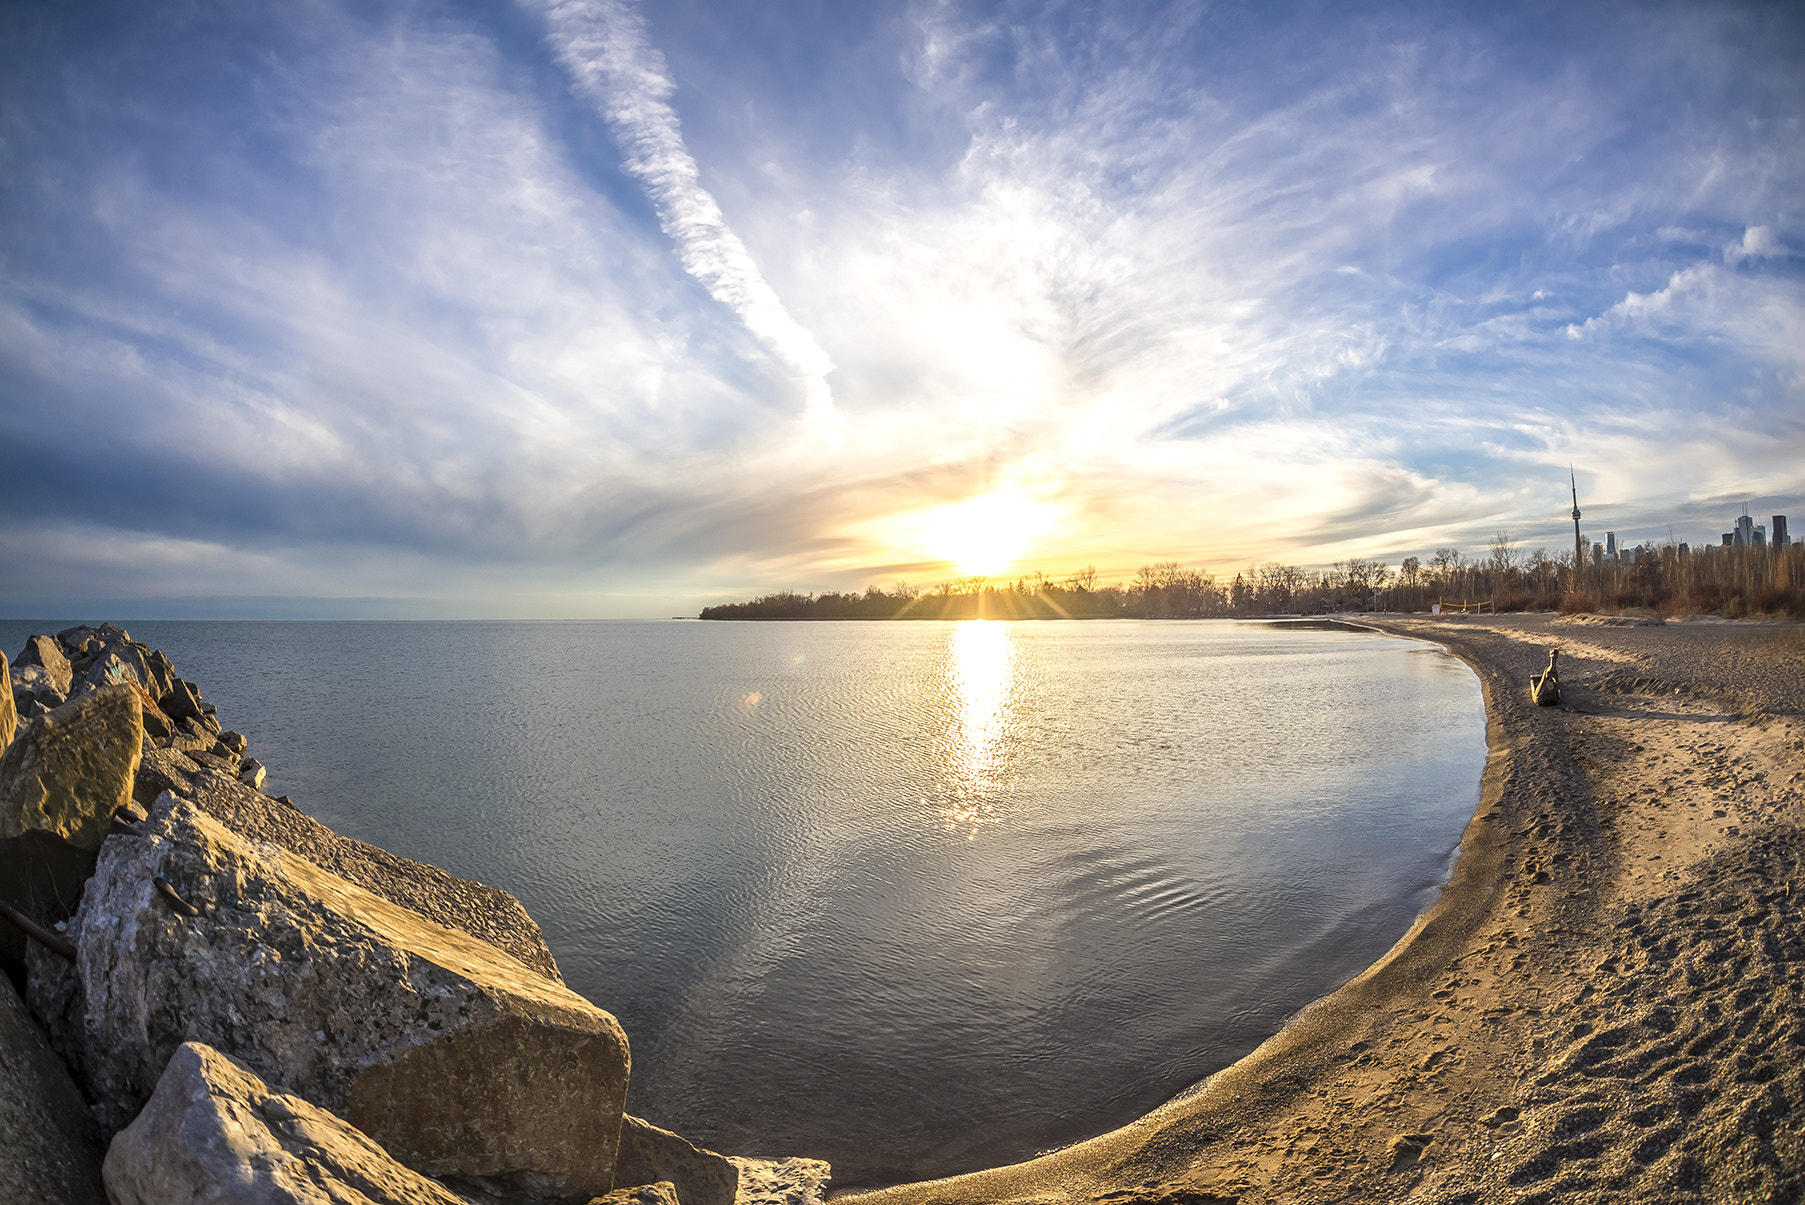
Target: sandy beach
1603	1005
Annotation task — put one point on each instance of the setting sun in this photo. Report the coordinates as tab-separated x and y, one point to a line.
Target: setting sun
981	536
986	534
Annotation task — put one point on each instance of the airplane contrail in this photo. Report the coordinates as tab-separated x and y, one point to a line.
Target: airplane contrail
602	44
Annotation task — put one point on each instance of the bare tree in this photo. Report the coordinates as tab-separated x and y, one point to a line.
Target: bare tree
1503	560
1273	585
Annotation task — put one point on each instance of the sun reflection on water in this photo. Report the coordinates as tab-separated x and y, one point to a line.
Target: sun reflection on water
981	678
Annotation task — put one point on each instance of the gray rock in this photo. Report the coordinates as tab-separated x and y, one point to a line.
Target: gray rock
53	993
214	1132
61	780
67	772
252	774
663	1192
50	1148
151	668
458	1060
181	702
793	1181
213	759
77	638
164	770
162	674
190	736
157	726
107	669
649	1154
47	654
9	711
234	742
486	913
35	684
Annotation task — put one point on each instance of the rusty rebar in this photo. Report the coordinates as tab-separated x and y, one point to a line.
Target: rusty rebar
48	938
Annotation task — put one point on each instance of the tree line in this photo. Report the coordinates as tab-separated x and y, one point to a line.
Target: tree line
1664	579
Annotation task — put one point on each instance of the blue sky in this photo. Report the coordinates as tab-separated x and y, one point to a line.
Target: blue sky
579	308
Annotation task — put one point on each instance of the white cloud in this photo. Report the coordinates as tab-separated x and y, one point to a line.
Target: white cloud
467	347
1763	317
602	44
1758	242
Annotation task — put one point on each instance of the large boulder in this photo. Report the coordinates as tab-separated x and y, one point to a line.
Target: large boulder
9	712
50	1148
159	676
182	702
157	726
61	780
649	1154
46	652
34	691
460	1061
67	772
215	1132
486	913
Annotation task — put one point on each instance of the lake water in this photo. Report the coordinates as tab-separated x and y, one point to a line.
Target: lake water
912	897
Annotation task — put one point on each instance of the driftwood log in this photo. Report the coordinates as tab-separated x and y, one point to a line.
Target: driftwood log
1545	688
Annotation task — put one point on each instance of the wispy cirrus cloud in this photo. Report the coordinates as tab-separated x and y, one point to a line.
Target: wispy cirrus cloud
603	45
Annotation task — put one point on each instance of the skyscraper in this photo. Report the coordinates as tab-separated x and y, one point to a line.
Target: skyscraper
1745	530
1610	545
1780	537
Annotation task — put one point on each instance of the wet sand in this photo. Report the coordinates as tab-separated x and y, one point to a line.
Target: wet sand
1604	1004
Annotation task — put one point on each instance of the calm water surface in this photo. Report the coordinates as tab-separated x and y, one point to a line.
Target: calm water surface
911	897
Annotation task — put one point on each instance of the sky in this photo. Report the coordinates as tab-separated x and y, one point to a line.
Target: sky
587	309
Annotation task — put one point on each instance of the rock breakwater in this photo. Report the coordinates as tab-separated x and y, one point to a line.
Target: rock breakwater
251	1007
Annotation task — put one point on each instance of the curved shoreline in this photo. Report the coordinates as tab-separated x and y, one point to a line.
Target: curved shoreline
1461	1065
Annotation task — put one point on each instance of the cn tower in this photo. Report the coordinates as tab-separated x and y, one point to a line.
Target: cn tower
1578	562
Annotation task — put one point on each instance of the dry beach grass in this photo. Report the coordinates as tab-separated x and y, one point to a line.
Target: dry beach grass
1604	1004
